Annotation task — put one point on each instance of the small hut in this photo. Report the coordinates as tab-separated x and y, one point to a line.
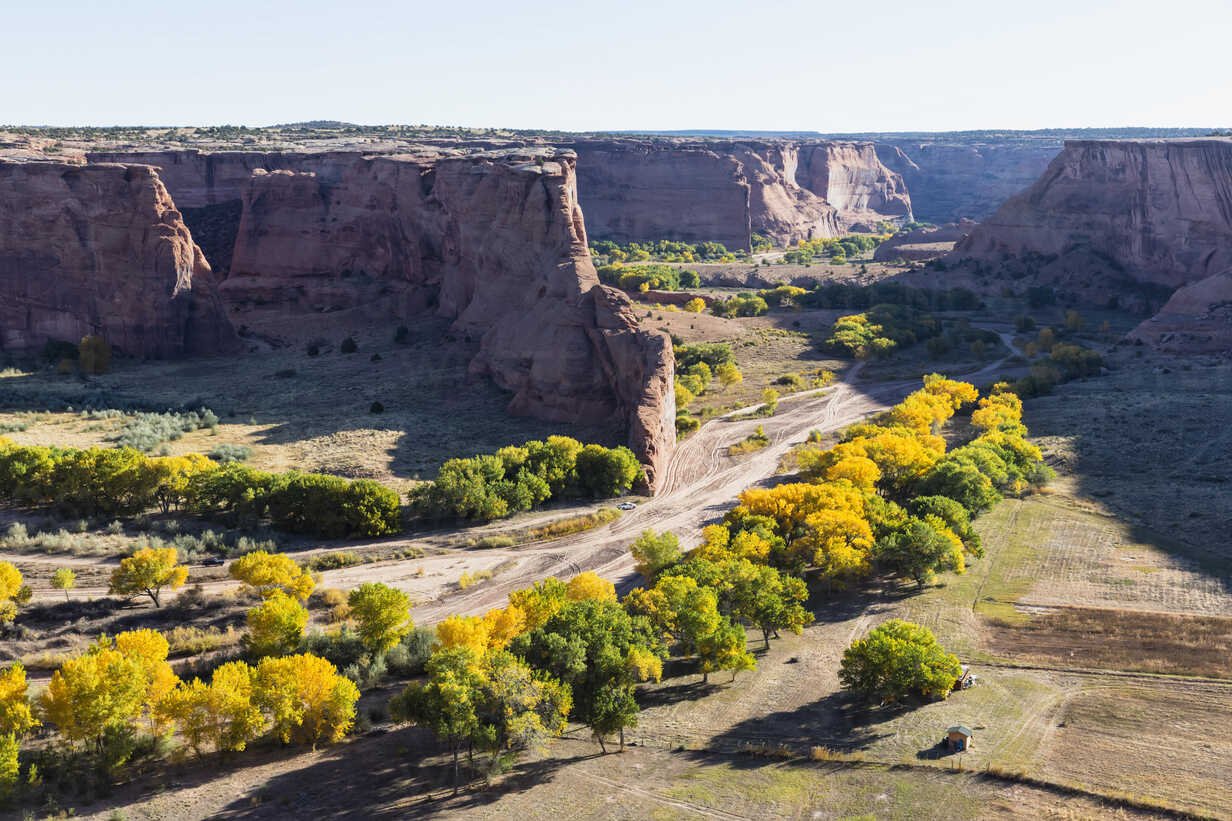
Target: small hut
958	739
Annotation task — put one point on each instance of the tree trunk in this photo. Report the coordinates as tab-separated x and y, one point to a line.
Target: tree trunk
154	597
455	769
706	677
622	739
765	634
602	746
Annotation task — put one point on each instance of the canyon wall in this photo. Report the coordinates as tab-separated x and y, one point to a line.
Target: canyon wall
101	249
954	180
1158	212
494	240
725	190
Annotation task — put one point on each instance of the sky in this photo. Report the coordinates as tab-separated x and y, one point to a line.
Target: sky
789	65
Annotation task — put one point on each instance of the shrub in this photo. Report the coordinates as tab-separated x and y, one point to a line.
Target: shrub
349	345
402	335
334	560
231	453
376	407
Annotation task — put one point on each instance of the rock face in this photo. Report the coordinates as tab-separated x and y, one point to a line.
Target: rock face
923	243
1197	319
495	241
726	190
1156	212
101	249
950	181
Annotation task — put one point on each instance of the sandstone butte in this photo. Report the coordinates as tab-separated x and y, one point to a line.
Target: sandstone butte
101	249
1112	215
494	241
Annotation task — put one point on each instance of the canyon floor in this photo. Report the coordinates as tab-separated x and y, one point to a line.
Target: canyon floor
1100	623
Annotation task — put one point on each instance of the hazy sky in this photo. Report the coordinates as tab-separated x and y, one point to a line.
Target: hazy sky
816	65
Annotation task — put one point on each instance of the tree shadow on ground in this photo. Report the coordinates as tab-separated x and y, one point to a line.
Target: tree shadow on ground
377	777
838	721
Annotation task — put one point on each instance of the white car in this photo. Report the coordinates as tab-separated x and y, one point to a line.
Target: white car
626	506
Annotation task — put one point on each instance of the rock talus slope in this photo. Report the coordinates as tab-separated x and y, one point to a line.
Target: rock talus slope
101	249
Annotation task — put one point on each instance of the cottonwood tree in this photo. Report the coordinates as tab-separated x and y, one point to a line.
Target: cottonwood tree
653	552
896	660
220	714
595	647
276	625
268	572
147	572
13	592
64	579
305	697
383	613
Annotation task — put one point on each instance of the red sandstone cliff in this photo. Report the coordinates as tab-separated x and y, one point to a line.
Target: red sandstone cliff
101	249
1122	221
495	241
724	190
1160	210
1197	319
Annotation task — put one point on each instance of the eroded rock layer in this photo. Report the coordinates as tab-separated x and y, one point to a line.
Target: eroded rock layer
1197	319
726	190
955	180
495	241
1158	211
101	249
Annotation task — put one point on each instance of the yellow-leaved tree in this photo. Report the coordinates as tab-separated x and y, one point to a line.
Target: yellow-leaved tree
149	649
268	572
589	585
148	571
12	592
100	691
276	625
305	698
220	714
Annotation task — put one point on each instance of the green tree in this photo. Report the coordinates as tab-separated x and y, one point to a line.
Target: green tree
383	613
896	660
595	647
447	703
725	648
606	472
653	552
917	550
64	579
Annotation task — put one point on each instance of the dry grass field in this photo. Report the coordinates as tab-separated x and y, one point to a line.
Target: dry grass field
307	412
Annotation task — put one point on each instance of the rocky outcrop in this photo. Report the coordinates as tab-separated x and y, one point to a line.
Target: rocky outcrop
725	190
852	179
951	180
496	241
1157	212
1197	319
923	243
101	249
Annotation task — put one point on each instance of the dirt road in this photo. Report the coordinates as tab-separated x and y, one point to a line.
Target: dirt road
700	484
